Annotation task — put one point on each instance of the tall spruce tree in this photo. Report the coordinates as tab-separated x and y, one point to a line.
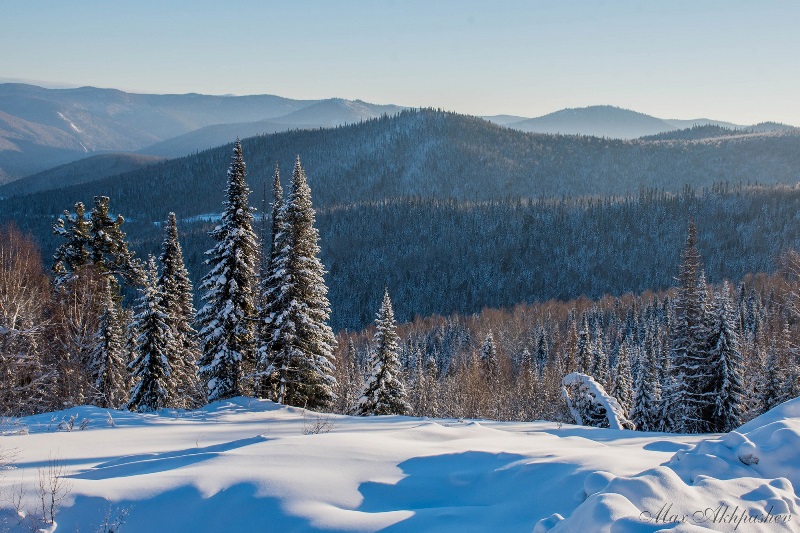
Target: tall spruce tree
301	347
691	398
228	318
384	393
107	364
584	349
489	357
645	402
177	299
726	363
153	387
271	368
622	384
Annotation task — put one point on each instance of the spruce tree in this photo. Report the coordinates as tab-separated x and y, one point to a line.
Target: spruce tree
177	298
584	349
645	403
771	384
726	364
271	368
384	393
152	390
622	387
690	400
542	352
489	357
107	364
227	320
301	347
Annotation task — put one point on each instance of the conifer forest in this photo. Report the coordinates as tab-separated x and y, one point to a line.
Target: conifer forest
638	310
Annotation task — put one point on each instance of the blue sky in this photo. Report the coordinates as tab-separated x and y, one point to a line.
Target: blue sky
729	60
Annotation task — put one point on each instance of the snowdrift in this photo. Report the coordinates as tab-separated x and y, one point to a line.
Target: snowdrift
745	480
251	465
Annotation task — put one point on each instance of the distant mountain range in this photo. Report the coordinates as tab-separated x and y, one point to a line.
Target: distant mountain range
41	128
614	122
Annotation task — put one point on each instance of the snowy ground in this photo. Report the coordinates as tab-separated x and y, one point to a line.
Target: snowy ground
250	465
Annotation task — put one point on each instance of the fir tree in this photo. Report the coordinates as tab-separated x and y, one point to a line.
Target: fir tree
645	402
690	399
300	350
384	393
726	363
227	320
151	366
599	359
771	385
271	369
73	254
584	349
489	357
177	298
622	388
107	360
542	352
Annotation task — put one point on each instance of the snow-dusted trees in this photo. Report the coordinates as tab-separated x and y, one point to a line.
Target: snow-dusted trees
589	404
227	320
151	367
177	299
384	392
298	356
725	359
26	379
107	364
583	355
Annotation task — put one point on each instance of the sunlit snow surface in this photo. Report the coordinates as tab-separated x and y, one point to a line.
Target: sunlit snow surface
250	465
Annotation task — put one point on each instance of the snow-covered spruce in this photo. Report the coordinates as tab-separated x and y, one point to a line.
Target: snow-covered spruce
271	368
227	321
151	366
107	364
384	393
299	355
177	299
590	405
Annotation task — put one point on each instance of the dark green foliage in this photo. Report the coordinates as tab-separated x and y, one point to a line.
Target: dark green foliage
227	321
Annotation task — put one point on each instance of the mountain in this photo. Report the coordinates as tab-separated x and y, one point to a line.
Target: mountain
600	121
336	111
503	120
81	171
41	128
327	113
616	123
428	153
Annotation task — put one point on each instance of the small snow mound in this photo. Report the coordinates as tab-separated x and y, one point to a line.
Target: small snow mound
597	481
546	524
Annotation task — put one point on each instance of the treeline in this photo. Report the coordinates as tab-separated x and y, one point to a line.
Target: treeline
443	257
697	358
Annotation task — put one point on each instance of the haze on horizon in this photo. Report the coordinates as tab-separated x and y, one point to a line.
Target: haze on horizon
727	60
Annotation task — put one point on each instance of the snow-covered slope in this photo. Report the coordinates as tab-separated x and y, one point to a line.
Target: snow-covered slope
250	465
746	480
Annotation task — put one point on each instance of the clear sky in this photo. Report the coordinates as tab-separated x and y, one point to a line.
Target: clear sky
728	59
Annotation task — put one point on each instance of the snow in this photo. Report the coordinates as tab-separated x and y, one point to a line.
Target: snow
252	465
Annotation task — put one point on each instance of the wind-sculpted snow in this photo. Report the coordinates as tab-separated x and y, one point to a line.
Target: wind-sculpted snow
251	465
745	480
